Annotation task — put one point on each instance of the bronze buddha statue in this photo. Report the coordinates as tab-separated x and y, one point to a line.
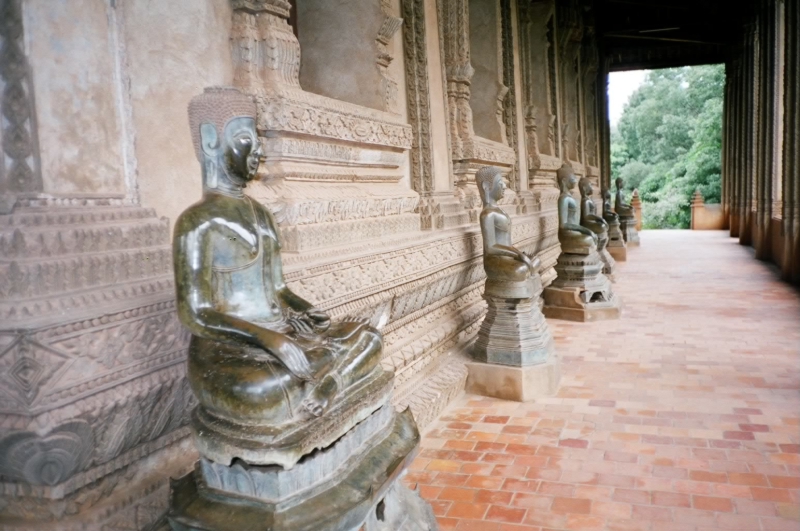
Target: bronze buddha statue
501	260
260	355
589	218
609	215
574	238
622	209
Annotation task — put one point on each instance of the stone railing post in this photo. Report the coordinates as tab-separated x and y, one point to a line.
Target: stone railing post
636	204
697	202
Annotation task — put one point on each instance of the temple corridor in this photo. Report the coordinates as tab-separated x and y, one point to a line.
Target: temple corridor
682	415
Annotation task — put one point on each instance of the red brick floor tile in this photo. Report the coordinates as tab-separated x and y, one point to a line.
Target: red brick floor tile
775	495
754	480
458	494
505	514
703	475
646	512
640	497
571	506
579	522
500	497
671	499
784	482
707	503
467	510
680	416
737	522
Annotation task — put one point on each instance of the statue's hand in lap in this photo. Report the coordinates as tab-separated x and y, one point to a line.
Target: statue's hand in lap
287	351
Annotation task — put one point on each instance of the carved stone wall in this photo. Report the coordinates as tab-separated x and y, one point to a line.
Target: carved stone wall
373	190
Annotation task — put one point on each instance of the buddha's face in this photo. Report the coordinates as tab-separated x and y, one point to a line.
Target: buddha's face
619	182
498	188
571	181
242	149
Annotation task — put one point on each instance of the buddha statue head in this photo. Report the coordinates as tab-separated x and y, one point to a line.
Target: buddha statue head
223	124
566	178
585	186
491	184
619	182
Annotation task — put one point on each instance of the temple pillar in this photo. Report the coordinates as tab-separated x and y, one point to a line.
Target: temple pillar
790	178
766	123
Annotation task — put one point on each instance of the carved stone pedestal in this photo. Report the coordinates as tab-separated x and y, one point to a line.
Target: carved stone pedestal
514	350
629	232
580	292
616	242
352	485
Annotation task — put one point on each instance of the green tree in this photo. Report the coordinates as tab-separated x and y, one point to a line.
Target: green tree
668	142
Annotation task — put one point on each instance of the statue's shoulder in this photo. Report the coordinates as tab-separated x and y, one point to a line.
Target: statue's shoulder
197	217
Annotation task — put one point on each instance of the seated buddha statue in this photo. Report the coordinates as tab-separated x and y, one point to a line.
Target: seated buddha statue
622	209
589	219
501	260
574	238
260	355
609	215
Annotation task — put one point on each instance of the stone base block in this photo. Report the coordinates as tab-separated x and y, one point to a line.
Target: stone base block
567	303
619	253
629	232
520	384
365	495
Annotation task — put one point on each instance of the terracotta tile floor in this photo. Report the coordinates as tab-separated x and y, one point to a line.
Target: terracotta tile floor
683	415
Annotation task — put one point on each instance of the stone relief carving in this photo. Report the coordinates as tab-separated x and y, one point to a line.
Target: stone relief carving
532	140
91	375
508	100
19	156
552	90
49	459
418	95
388	28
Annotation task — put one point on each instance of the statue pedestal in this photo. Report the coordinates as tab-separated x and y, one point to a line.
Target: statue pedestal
514	350
351	485
616	241
520	384
581	292
629	232
609	264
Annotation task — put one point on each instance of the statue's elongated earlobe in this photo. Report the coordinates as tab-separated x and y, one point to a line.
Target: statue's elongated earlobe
209	140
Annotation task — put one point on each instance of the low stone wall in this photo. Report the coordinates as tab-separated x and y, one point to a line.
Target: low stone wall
706	217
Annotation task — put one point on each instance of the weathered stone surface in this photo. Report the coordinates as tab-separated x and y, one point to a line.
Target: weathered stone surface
520	384
347	502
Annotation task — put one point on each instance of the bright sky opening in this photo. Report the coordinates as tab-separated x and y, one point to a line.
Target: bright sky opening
620	87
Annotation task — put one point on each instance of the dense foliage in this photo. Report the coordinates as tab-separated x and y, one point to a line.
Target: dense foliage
668	142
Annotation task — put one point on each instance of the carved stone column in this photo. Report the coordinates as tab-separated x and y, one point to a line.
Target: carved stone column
765	125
